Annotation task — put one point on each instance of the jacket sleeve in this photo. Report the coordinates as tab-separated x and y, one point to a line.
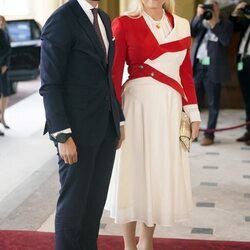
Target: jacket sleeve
8	50
224	31
238	23
186	74
196	26
190	103
55	49
120	56
4	49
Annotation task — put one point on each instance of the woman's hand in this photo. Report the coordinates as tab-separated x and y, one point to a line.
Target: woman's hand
195	127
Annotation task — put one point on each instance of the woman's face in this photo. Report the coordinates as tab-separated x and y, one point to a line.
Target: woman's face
154	4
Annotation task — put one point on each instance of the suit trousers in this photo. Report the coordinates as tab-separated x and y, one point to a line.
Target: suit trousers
83	193
244	79
212	90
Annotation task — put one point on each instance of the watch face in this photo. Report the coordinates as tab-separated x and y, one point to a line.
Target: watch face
61	138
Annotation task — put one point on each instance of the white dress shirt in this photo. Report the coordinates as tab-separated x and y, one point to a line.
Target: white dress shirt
209	36
87	9
160	29
243	43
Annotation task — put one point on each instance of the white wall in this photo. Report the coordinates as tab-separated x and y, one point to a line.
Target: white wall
125	5
38	9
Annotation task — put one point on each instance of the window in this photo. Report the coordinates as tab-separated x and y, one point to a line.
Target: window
20	31
23	30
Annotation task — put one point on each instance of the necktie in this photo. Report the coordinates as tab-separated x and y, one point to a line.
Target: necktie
98	30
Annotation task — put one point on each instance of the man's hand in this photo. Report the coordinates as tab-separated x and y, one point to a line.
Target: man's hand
195	127
239	6
4	69
200	10
68	152
122	136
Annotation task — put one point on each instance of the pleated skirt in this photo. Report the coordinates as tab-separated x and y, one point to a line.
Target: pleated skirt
151	177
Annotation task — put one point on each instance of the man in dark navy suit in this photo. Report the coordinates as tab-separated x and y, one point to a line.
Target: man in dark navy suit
212	36
241	20
83	116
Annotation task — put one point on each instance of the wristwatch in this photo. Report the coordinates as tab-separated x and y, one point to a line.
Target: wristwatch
63	137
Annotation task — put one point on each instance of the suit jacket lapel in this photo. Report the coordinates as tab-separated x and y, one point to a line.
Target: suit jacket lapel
109	34
88	28
106	25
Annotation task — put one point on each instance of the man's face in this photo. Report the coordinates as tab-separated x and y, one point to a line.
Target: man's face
216	8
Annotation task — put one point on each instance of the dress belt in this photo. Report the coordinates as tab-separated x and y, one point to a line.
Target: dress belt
145	70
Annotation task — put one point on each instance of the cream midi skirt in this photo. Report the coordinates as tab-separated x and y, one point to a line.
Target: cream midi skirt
151	177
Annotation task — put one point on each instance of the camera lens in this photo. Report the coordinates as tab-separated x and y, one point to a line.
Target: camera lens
208	15
208	11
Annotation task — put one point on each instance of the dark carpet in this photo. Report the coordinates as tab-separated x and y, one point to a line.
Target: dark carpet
32	240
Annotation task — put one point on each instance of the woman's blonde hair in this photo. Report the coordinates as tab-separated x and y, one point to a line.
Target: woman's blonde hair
168	6
4	22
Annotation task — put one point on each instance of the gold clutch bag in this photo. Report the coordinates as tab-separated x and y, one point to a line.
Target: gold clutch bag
185	131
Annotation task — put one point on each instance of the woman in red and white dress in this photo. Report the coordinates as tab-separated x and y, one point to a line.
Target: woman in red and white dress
151	180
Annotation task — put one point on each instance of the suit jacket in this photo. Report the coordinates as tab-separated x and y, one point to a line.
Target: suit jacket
218	70
5	49
76	81
240	25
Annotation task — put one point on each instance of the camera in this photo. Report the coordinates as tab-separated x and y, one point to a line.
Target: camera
208	11
246	10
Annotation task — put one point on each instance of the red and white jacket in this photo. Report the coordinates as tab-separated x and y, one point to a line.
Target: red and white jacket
136	45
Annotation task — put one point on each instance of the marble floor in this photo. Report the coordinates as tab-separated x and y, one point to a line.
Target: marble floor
29	182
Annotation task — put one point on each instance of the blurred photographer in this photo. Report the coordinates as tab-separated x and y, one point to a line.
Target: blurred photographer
241	20
212	36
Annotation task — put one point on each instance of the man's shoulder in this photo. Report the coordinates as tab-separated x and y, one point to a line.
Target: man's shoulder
60	15
59	20
63	10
